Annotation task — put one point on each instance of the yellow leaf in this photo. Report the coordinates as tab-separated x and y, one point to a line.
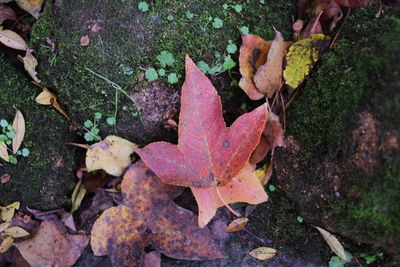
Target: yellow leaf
112	155
4	226
31	6
6	244
334	244
46	97
19	128
301	57
237	224
77	196
30	64
263	253
4	152
16	232
13	40
7	213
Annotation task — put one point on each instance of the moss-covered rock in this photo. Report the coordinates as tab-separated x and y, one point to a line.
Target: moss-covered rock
341	163
44	178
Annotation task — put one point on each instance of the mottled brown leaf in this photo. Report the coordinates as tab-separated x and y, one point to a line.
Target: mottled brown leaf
6	13
19	129
31	6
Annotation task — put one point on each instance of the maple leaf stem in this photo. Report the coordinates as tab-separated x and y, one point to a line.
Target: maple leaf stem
226	204
277	93
340	29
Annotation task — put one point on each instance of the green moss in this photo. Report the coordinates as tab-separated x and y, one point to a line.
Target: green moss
343	80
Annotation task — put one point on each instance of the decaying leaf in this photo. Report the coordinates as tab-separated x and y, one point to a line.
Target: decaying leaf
30	64
152	259
353	3
4	152
31	6
77	196
5	178
301	57
208	153
7	213
53	246
46	97
6	13
245	187
4	226
237	224
16	232
253	54
334	244
85	40
112	155
13	40
149	216
268	78
263	253
6	244
19	128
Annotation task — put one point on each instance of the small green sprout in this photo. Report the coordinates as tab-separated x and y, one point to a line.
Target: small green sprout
170	17
228	63
272	188
299	219
173	78
143	6
126	70
217	54
3	123
225	6
12	159
335	261
88	137
372	258
231	48
217	23
111	121
189	15
166	59
203	66
25	152
88	124
244	30
98	115
151	74
161	72
238	8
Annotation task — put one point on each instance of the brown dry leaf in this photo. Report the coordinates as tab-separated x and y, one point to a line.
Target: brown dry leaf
53	246
334	244
77	196
268	78
237	224
19	128
16	232
46	97
13	40
7	213
253	54
5	178
112	155
30	64
4	152
85	40
31	6
6	13
263	253
6	244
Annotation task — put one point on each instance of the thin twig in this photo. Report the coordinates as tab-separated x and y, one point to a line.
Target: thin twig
340	29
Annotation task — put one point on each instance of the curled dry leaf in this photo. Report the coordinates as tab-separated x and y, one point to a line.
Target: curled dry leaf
6	244
149	216
334	244
13	40
4	152
268	78
30	64
46	97
7	213
42	251
263	253
31	6
77	196
6	13
19	128
5	178
112	155
253	54
237	224
301	57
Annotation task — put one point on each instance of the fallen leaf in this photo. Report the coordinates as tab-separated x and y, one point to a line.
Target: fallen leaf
353	3
245	187
112	155
53	246
19	128
30	64
7	213
268	78
263	253
6	13
46	97
31	6
208	153
16	232
253	54
5	178
6	244
237	224
77	196
149	216
152	259
334	244
273	132
13	40
85	41
301	57
4	226
4	152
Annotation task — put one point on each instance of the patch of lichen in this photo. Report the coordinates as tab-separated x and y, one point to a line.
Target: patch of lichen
343	81
36	181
